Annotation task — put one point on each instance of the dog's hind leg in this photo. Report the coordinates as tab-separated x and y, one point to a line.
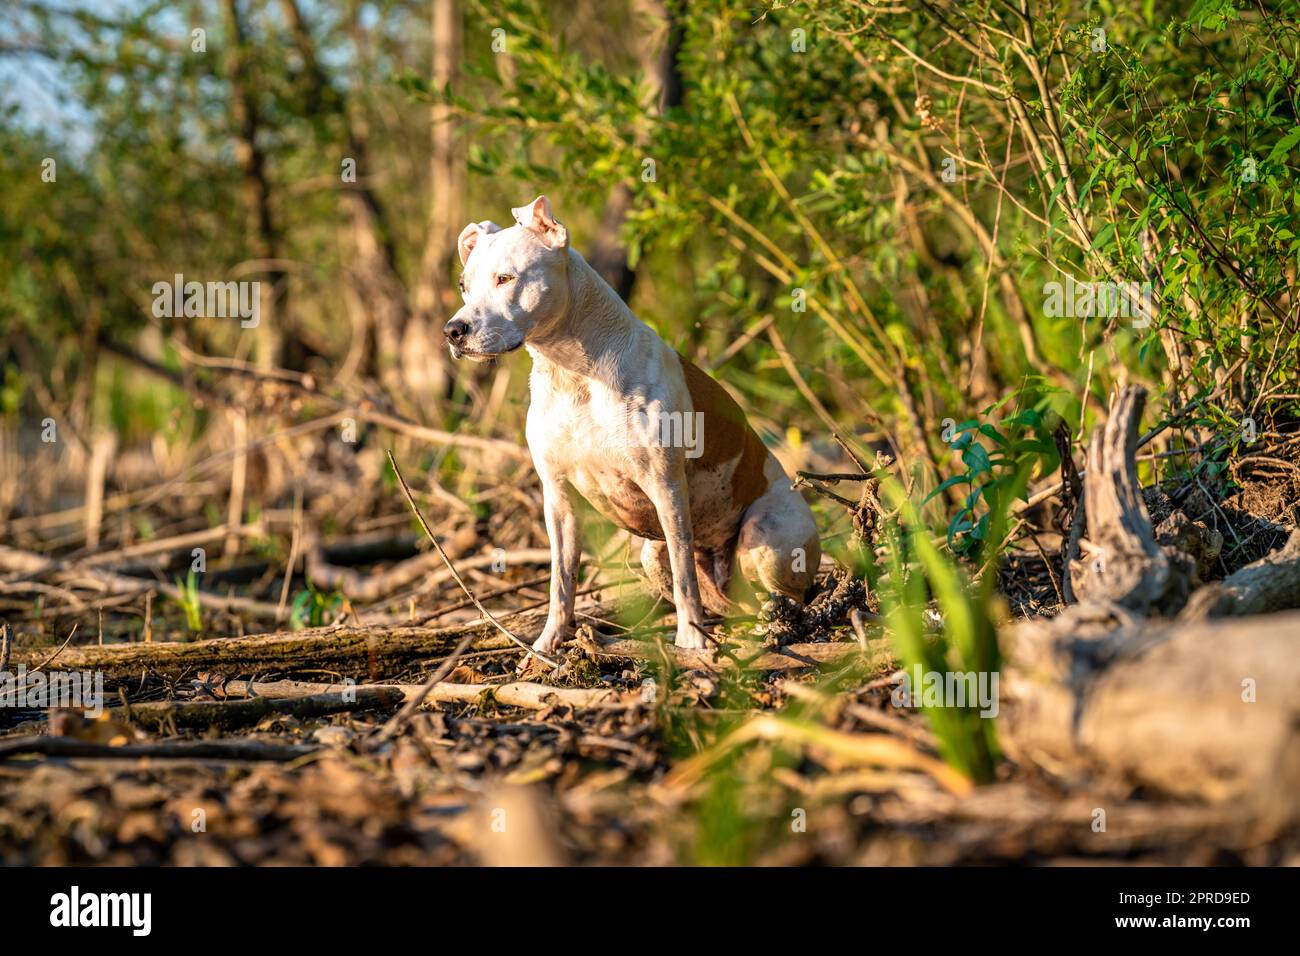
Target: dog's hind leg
711	570
656	568
779	549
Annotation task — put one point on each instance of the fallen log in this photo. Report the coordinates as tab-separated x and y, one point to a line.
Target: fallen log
527	695
363	653
353	652
229	715
367	588
1270	584
71	573
364	589
1197	710
119	557
186	749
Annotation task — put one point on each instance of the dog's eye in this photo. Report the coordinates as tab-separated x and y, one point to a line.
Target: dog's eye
461	283
503	279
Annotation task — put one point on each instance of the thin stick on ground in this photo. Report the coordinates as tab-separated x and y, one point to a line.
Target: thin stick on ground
410	499
294	541
399	719
57	651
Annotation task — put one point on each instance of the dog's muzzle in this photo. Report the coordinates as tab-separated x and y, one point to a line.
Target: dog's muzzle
464	343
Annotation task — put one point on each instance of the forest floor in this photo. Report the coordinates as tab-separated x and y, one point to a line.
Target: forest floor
641	755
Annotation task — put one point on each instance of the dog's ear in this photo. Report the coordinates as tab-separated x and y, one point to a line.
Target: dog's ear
470	235
537	218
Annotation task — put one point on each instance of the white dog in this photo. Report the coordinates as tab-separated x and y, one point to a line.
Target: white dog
650	440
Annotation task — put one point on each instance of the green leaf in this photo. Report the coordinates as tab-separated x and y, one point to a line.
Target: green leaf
1284	145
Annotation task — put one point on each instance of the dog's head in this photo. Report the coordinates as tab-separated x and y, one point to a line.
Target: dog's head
515	282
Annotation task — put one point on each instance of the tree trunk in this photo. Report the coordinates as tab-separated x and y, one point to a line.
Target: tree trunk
607	254
264	239
434	288
401	351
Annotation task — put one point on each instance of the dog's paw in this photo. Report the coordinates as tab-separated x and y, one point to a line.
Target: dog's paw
691	637
548	642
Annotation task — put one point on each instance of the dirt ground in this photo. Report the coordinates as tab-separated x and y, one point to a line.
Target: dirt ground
651	775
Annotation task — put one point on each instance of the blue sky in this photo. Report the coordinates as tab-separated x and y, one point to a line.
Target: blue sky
41	88
37	85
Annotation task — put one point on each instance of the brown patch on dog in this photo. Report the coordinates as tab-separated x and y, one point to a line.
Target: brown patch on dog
727	436
633	510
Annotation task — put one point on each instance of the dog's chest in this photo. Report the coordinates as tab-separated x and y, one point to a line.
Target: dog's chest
611	445
585	439
573	427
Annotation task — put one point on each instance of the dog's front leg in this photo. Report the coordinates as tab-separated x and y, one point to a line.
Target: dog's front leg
670	498
566	554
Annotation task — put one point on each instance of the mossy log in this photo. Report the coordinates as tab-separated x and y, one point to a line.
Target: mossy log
372	653
165	716
361	653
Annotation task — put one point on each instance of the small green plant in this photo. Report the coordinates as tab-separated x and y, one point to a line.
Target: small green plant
189	602
994	455
967	643
314	608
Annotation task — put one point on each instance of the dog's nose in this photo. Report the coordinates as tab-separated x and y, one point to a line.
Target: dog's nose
455	330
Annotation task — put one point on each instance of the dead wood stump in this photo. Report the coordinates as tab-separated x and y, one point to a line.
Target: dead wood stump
1125	564
1193	708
